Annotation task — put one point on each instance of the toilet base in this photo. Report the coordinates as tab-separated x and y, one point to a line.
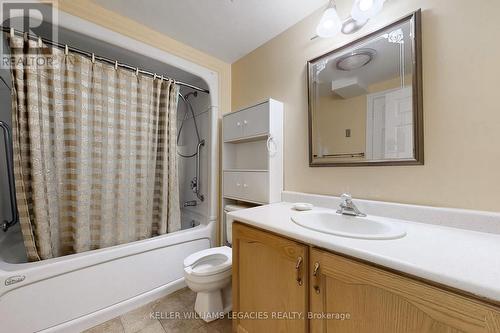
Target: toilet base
212	305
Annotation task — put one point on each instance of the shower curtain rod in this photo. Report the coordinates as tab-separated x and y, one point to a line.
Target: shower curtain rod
101	58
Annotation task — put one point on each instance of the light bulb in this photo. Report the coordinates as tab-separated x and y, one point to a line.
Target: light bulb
363	10
330	24
365	5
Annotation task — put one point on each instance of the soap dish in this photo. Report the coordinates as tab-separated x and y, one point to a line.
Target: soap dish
302	206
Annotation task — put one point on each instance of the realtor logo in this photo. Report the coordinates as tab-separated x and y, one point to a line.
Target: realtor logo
32	17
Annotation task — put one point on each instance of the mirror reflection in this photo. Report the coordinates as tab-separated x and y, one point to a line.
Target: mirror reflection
361	100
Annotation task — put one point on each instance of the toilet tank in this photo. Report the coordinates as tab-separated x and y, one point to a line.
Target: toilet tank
228	222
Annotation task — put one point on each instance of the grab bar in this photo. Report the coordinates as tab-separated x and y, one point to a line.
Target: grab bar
198	176
10	176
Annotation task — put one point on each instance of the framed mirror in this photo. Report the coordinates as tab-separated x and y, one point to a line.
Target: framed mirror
365	100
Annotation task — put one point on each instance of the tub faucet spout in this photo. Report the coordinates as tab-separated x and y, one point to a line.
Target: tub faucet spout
190	203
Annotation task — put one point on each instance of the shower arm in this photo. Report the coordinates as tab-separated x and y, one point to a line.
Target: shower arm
198	176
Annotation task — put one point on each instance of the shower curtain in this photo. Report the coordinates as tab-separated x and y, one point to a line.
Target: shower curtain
94	150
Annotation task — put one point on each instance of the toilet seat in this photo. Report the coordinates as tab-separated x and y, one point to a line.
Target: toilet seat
209	262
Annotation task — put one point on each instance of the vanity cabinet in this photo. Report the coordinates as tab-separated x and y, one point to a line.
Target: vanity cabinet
269	282
381	301
341	294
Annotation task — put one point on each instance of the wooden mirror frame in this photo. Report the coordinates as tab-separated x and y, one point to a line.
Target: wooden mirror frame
418	121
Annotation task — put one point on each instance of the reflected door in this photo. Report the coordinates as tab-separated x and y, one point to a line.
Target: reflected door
390	125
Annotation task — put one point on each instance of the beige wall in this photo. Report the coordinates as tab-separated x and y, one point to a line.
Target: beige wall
461	106
333	117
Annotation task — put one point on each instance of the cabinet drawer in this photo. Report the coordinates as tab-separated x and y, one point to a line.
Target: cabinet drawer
247	185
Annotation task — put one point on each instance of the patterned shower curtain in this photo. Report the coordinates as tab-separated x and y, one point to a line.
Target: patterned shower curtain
94	152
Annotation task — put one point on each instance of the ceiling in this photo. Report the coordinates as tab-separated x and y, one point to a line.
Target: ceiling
226	29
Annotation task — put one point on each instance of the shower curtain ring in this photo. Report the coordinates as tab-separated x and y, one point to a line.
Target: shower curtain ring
11	32
66	50
93	58
40	44
137	71
161	80
116	65
154	78
25	35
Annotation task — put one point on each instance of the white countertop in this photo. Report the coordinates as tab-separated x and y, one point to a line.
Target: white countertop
459	258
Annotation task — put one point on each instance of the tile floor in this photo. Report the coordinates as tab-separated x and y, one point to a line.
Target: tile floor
140	320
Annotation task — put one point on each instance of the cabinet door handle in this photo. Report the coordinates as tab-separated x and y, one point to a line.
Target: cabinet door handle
238	124
245	122
316	276
298	266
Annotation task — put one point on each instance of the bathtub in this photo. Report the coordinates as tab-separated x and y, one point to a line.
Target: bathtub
75	292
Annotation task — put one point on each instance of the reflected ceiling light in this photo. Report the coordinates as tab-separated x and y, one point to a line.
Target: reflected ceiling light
330	23
363	10
355	59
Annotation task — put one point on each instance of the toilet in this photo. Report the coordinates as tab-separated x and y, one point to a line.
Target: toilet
208	273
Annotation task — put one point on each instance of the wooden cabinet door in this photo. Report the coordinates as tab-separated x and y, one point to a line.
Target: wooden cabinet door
269	279
379	301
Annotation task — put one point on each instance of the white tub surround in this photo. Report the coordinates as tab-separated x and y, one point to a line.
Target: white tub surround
443	252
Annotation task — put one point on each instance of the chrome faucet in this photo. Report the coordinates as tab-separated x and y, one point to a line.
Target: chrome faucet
347	207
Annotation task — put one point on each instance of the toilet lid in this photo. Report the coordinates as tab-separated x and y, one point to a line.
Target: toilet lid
209	261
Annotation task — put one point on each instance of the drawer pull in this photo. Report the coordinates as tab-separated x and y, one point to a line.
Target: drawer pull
238	124
298	269
316	276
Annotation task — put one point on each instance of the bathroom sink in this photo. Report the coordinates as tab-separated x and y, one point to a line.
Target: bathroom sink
330	222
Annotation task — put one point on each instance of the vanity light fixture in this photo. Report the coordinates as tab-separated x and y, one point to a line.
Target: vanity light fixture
362	11
329	25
